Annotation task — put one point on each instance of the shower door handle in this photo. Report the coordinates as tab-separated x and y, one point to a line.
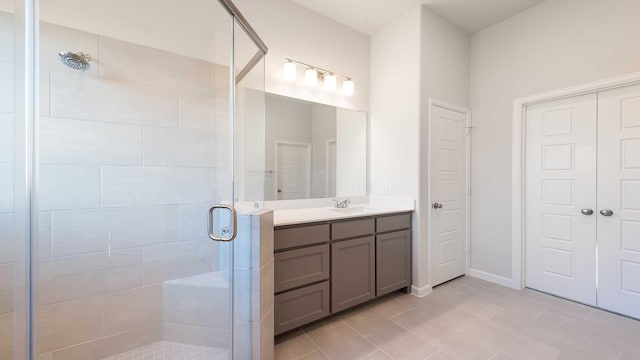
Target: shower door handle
227	232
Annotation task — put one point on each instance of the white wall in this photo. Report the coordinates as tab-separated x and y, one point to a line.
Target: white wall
417	56
323	129
444	76
554	45
200	30
292	31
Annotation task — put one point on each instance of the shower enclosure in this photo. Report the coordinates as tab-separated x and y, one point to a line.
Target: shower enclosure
127	131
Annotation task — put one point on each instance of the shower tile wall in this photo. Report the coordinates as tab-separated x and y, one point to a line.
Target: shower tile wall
6	188
129	159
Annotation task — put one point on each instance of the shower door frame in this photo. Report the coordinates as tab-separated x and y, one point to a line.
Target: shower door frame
26	85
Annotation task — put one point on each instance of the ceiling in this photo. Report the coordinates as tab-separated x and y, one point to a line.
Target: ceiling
371	16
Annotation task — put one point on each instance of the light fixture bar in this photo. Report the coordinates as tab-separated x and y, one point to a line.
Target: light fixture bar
319	69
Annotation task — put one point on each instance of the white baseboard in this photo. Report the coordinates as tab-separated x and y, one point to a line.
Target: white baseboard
421	291
496	279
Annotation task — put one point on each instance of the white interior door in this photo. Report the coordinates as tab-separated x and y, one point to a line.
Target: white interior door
560	184
294	171
619	192
447	194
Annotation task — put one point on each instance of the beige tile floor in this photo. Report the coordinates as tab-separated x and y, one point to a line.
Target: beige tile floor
467	319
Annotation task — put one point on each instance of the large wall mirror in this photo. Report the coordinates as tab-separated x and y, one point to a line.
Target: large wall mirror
313	150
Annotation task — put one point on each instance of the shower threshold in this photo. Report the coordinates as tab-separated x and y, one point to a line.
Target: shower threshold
167	350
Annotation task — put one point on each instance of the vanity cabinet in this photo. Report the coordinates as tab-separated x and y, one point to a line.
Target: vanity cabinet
327	267
393	261
353	272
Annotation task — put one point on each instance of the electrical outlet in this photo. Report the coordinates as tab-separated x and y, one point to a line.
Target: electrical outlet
385	188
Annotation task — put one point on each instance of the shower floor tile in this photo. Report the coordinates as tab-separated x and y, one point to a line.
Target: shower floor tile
166	350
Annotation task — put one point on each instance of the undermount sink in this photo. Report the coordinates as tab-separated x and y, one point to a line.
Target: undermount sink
353	210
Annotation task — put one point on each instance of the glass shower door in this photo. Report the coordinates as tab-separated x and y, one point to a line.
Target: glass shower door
13	197
135	145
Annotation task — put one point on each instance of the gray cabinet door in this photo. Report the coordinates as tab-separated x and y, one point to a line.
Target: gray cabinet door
393	261
352	272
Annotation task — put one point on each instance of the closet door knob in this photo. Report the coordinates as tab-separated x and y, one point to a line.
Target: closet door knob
606	212
587	211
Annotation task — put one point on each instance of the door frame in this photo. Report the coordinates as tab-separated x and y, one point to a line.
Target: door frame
518	144
275	167
433	102
328	166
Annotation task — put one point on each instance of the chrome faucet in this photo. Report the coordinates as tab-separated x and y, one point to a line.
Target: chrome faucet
342	204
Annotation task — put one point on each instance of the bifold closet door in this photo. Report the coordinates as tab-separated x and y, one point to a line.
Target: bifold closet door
619	200
561	198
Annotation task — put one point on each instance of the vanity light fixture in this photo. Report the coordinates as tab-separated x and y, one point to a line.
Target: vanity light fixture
330	82
313	73
311	77
348	88
289	71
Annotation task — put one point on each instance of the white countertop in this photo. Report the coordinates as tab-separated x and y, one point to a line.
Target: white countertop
373	207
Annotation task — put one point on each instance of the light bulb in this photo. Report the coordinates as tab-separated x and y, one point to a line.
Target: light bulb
347	88
311	77
330	82
289	71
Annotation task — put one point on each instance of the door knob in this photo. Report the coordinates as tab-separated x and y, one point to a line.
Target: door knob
606	212
587	211
437	206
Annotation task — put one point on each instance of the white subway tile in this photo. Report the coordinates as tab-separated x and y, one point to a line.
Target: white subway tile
7	329
133	185
77	232
6	37
177	147
68	323
6	288
179	260
45	93
220	80
149	66
131	309
77	96
6	188
110	345
6	87
199	112
197	335
6	238
54	39
6	138
44	234
262	290
69	187
194	222
73	277
200	300
65	141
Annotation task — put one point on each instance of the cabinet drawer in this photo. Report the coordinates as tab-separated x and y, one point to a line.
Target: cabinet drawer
302	306
395	222
300	236
347	229
295	268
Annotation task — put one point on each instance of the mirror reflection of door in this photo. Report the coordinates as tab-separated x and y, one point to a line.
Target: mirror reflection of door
332	154
293	170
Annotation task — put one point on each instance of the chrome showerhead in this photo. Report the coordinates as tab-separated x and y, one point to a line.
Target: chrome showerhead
76	61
